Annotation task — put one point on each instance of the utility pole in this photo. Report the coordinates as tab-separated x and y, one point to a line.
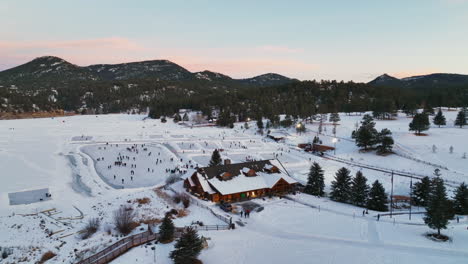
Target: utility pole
410	195
391	199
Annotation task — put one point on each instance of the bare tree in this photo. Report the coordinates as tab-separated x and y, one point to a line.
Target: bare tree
123	219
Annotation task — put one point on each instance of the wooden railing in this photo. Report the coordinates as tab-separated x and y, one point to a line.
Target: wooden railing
119	247
211	227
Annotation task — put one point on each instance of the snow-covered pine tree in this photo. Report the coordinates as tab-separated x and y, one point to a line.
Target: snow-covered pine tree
341	186
185	118
359	190
177	118
315	181
215	158
460	200
461	119
438	207
421	191
166	230
187	248
439	119
377	199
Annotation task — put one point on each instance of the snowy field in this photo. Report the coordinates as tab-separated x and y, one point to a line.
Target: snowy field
62	154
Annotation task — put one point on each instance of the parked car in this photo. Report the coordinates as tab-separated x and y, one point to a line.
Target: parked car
227	207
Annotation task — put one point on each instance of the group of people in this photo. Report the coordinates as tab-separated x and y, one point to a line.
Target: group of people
136	149
245	213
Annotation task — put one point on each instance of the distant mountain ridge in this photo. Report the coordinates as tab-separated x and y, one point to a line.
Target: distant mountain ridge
421	81
50	68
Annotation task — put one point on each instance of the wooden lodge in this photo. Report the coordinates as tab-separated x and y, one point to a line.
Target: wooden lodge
240	181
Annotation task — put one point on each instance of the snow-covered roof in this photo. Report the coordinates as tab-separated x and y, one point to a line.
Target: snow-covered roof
204	184
242	183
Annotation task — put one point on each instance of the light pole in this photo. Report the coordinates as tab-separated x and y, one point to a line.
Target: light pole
334	140
299	128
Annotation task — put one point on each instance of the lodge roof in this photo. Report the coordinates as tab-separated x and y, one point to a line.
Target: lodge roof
234	169
239	182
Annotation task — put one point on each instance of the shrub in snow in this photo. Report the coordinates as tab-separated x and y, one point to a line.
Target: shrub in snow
91	227
123	219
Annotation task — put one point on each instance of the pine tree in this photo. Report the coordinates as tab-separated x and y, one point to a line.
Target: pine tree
185	118
428	110
215	158
366	135
377	199
359	190
341	186
437	209
421	191
460	200
260	123
461	119
316	181
334	118
177	118
187	248
166	230
439	119
385	141
420	123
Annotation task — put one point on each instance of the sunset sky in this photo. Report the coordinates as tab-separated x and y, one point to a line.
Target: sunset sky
344	40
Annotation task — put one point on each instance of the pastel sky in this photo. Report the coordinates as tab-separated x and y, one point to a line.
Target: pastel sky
344	40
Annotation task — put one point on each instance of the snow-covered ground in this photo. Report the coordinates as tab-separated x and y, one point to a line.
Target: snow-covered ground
62	154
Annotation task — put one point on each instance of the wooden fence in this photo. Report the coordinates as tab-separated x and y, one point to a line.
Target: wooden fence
211	227
120	247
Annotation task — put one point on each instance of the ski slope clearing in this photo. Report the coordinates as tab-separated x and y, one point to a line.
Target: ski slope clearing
61	154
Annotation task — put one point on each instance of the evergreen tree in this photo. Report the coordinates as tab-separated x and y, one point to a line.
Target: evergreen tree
428	110
215	158
341	186
260	123
460	200
410	109
187	248
334	118
316	181
359	190
366	135
420	123
439	119
438	207
421	191
377	199
461	119
177	118
385	141
185	118
166	230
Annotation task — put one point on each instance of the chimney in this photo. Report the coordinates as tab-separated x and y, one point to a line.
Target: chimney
227	162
